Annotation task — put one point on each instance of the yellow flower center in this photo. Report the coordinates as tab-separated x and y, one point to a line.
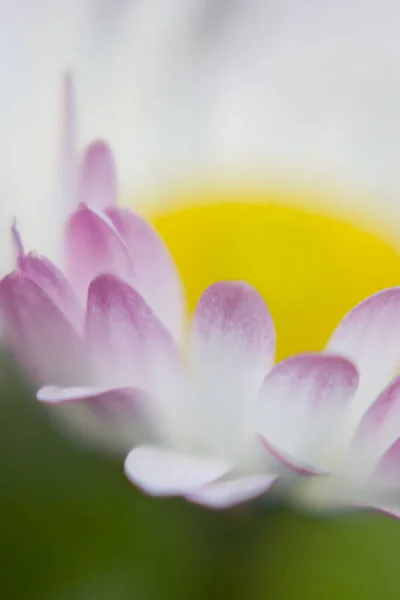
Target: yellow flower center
310	268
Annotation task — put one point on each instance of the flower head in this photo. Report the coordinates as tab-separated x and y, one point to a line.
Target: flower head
201	410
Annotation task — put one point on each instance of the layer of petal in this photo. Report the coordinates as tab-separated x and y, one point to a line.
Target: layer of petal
369	336
233	346
53	282
380	426
111	403
225	494
97	182
39	333
302	404
129	343
93	247
162	472
156	276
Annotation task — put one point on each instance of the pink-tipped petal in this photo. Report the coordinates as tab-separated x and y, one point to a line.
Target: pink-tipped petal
378	430
233	346
68	147
290	462
369	336
38	332
97	181
390	510
129	342
112	403
58	395
382	488
50	279
162	472
17	240
232	324
302	403
225	494
380	426
93	246
387	471
156	276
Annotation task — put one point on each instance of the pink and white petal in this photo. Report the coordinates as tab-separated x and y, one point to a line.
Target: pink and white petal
386	474
225	494
382	489
112	403
54	283
156	276
97	181
38	332
68	158
233	329
379	428
302	404
390	510
93	246
297	466
129	343
369	336
233	345
162	472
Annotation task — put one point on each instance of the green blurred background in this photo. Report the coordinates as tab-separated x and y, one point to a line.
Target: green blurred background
72	528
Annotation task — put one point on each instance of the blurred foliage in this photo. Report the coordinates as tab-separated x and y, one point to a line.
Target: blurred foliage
72	528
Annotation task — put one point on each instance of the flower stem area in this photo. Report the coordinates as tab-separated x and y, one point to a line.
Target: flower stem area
74	529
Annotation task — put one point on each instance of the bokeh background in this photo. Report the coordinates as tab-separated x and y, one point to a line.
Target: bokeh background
296	91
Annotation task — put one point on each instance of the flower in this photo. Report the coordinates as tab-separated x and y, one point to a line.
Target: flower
354	443
121	360
105	334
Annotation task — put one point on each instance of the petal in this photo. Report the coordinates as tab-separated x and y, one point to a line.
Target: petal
387	472
97	182
130	344
93	247
382	490
369	336
302	403
162	472
68	147
156	276
294	464
38	332
232	324
225	494
380	426
233	347
109	403
391	510
116	417
50	279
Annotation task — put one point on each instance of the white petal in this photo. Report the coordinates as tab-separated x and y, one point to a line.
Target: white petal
369	336
224	494
379	430
162	472
97	183
233	348
303	401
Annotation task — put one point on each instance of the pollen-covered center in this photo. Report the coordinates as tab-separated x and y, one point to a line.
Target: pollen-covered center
310	268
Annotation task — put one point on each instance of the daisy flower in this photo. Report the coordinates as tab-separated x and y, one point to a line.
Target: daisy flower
204	104
106	334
